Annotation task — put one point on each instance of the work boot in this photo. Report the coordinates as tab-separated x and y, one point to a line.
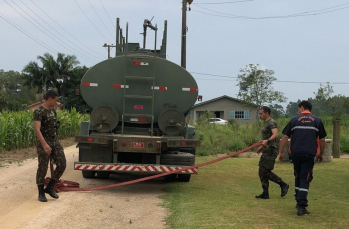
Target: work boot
49	189
301	210
306	211
265	194
284	189
42	197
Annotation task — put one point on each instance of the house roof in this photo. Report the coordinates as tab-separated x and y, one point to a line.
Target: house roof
37	104
222	97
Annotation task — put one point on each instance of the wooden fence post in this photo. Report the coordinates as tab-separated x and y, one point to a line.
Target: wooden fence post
336	138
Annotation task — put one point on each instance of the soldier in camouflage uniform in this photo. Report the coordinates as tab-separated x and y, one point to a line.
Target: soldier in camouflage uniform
45	128
269	151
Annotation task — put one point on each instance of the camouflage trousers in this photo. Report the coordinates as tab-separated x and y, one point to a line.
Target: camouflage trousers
266	165
58	158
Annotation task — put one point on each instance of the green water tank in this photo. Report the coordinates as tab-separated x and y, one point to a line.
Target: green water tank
138	85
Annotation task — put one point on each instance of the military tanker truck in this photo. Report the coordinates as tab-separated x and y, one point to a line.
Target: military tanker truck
137	124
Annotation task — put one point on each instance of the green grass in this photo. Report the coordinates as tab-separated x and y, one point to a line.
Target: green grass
223	196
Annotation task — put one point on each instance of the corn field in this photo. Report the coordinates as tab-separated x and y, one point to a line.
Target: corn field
17	128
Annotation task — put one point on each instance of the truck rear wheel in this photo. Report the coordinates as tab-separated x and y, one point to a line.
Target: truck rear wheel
103	175
184	177
171	177
177	158
88	174
188	150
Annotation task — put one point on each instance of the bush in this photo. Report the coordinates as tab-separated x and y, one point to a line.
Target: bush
234	137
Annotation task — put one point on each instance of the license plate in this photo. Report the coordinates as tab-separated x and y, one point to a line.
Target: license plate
137	144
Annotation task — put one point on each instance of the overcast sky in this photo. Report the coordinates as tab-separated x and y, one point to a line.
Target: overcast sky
304	42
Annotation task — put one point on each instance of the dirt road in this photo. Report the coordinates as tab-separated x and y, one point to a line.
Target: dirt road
133	206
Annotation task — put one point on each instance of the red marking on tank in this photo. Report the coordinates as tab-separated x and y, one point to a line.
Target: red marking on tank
189	89
119	86
161	88
140	63
138	107
89	84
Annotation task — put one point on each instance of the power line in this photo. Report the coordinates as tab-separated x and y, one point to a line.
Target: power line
41	29
107	14
206	3
90	20
79	42
52	27
100	19
28	35
279	81
301	14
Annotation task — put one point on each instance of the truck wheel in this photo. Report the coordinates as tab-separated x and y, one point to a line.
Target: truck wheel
177	158
188	150
88	174
103	175
184	177
171	177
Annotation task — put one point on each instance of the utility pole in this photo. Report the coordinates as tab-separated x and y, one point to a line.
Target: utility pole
184	32
109	47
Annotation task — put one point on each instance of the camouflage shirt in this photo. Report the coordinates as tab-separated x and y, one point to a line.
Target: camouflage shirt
267	132
48	119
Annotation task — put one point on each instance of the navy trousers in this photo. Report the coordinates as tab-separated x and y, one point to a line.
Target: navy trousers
303	165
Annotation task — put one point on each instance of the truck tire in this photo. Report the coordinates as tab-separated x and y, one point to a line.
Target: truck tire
171	177
88	174
177	158
188	150
184	177
103	175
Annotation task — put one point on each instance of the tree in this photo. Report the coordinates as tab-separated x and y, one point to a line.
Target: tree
338	104
65	66
53	73
277	110
59	70
14	95
35	76
72	99
256	86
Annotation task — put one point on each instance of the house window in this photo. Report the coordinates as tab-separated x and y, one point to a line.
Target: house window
239	114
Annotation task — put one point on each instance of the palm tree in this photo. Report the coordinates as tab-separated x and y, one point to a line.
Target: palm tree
59	70
34	76
65	66
52	73
49	65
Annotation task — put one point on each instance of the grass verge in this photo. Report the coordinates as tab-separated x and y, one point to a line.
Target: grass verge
223	196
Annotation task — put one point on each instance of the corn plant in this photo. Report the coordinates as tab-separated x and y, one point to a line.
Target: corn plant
17	129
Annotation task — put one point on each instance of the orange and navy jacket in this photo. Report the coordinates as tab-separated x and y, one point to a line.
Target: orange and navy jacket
305	130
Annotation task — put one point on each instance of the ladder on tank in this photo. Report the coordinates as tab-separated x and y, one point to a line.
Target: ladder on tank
140	79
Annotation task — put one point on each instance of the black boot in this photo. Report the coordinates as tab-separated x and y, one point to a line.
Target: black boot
42	197
284	189
265	194
49	189
301	210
